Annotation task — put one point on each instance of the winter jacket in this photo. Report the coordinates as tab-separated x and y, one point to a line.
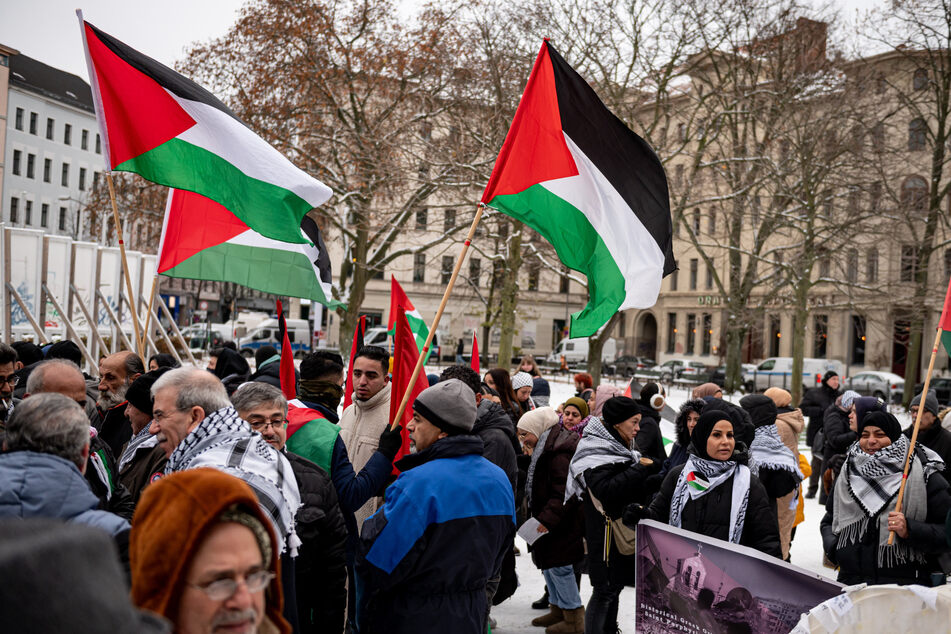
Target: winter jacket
678	451
320	569
42	485
112	427
360	428
615	485
495	429
710	514
142	470
814	404
101	476
541	392
232	369
426	555
649	440
790	424
271	374
836	434
562	545
858	562
937	439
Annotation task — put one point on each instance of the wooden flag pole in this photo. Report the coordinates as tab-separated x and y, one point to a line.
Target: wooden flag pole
914	433
442	306
125	266
148	315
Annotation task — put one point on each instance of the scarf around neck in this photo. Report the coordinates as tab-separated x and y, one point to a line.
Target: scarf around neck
699	477
597	447
142	440
536	454
225	442
767	450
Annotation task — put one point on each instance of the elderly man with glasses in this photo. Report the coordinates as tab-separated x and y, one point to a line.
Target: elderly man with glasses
8	381
320	571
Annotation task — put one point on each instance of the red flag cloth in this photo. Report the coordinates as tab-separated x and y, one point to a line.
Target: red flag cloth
399	302
358	333
288	380
475	353
627	392
945	323
405	355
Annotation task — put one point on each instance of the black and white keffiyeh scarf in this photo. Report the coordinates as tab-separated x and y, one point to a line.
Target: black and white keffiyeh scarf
225	442
700	476
767	450
141	441
867	487
597	447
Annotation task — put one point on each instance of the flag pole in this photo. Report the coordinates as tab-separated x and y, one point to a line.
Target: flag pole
442	306
914	433
148	315
125	265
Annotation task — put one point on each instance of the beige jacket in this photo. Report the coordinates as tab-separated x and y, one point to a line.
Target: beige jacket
790	425
360	427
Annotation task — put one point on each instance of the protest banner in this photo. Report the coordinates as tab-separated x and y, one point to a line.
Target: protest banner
687	582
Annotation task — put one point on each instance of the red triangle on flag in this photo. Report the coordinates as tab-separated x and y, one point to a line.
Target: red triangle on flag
194	223
474	361
399	302
405	356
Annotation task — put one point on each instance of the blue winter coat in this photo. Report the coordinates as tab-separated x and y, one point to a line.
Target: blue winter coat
426	555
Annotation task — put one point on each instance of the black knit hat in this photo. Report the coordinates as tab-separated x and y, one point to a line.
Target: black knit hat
703	429
761	408
828	375
618	409
139	393
884	421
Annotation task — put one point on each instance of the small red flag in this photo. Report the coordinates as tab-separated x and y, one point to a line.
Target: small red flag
945	322
288	380
358	333
405	355
399	302
474	362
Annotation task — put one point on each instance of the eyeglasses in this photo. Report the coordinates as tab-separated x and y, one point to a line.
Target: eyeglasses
13	379
223	589
262	425
159	416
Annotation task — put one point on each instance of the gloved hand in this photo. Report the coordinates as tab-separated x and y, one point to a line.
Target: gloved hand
634	513
390	441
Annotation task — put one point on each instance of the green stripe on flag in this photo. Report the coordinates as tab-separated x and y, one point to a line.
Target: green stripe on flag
946	340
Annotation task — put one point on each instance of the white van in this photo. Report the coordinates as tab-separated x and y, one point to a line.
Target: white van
777	372
576	351
378	336
266	334
201	335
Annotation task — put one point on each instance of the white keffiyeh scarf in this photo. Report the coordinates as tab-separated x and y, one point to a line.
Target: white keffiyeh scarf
700	476
597	447
142	440
767	450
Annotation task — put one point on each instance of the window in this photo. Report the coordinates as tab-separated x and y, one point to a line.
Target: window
826	203
422	216
95	179
27	213
691	332
681	131
821	325
84	140
914	194
917	134
423	171
62	218
47	170
706	338
674	280
679	175
852	266
375	274
44	215
855	198
533	273
419	267
448	262
82	179
875	195
65	179
14	210
775	336
754	211
694	265
858	340
709	281
671	333
33	119
825	266
49	128
696	221
17	155
19	119
712	222
871	266
909	263
67	134
98	144
564	283
448	220
878	136
31	165
919	80
475	270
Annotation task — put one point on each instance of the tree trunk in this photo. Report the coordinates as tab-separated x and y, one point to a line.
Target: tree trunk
355	266
800	315
596	345
510	295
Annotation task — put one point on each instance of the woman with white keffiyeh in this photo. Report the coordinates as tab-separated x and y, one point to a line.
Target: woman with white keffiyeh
714	492
770	460
860	511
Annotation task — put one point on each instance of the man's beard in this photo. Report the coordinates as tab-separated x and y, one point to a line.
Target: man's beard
109	399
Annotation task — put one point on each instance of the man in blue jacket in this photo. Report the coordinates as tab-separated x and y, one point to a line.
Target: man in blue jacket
425	557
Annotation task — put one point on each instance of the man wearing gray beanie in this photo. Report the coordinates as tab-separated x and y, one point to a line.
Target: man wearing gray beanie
931	434
444	524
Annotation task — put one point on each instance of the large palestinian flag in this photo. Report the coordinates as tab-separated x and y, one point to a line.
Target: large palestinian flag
596	191
171	131
202	240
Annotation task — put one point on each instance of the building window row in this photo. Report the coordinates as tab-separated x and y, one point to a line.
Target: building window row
17	169
18	123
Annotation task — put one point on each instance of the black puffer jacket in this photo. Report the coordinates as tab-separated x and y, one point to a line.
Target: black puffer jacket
649	440
836	433
937	439
495	429
710	514
814	404
321	567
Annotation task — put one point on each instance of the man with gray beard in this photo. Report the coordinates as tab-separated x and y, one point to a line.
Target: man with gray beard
116	373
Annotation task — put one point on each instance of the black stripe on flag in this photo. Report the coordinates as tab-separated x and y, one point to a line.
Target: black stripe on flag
625	159
312	231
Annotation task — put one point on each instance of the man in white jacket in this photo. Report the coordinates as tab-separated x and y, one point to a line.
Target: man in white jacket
369	414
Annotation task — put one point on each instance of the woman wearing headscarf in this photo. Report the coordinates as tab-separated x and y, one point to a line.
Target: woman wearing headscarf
687	419
230	367
770	460
561	547
650	442
575	415
608	468
789	423
860	510
714	492
601	396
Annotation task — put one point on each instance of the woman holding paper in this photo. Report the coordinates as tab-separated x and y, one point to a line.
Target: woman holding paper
860	511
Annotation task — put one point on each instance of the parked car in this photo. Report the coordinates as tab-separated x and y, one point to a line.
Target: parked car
941	386
777	372
673	369
884	385
629	365
575	351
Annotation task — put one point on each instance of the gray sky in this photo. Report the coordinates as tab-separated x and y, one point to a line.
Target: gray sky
48	30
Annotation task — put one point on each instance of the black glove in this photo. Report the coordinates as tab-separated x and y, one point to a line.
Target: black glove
390	441
634	513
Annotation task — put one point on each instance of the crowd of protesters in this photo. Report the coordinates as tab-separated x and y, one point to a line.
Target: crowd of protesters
216	504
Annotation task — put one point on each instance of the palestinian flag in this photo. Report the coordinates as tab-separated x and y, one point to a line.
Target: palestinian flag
171	131
945	322
596	191
202	240
697	483
399	302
